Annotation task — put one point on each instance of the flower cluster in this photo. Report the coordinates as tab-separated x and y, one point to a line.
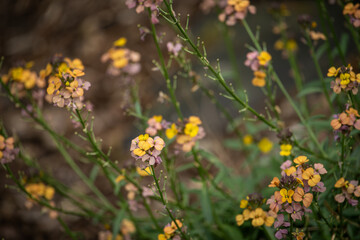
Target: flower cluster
353	12
345	121
65	87
258	63
155	124
147	149
40	190
140	6
171	231
236	10
295	191
345	79
348	191
22	79
252	210
187	132
7	150
123	60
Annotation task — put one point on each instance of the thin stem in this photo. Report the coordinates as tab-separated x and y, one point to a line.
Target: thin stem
164	70
164	202
66	228
318	70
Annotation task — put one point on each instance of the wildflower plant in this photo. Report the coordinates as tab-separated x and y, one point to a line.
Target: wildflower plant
178	178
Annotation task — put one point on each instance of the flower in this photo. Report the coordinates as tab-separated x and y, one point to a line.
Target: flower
147	149
300	160
286	195
7	150
275	182
171	132
259	79
248	139
285	149
143	172
258	217
312	178
265	145
299	196
239	219
243	203
264	58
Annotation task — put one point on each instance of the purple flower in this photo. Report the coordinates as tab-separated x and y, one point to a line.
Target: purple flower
282	233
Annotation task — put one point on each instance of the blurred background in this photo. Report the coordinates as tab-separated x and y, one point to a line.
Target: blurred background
85	29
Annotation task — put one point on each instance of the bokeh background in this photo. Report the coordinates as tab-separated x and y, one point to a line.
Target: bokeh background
85	29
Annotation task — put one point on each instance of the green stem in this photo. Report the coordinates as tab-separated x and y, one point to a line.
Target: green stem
165	204
318	70
66	228
164	70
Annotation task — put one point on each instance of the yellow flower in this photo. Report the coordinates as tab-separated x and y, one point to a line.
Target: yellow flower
16	73
120	42
246	214
158	118
143	173
258	219
333	72
243	203
178	222
290	170
127	227
171	132
300	160
264	58
312	178
119	178
265	145
285	149
162	237
248	139
286	195
239	5
194	120
191	129
345	79
49	192
239	219
74	64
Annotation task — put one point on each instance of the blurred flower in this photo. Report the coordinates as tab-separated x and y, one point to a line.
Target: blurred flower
236	10
264	58
353	12
248	139
285	149
174	48
265	145
259	79
7	150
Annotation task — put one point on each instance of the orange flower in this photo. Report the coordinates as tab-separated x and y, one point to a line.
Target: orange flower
341	183
275	182
239	219
300	160
299	196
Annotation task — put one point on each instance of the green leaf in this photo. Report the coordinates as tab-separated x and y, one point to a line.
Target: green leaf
320	51
94	172
205	205
232	232
309	90
117	221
